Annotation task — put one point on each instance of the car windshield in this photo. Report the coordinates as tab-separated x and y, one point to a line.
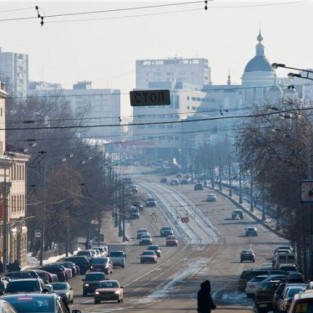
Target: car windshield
99	261
148	253
26	286
153	248
91	277
108	284
59	286
257	279
28	304
293	291
116	254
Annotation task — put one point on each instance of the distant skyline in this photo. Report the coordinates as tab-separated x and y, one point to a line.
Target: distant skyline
103	47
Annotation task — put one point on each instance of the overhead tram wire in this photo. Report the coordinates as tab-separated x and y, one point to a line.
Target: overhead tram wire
240	5
229	110
157	123
51	16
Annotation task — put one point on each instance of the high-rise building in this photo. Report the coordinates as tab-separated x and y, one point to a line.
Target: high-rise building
14	72
194	71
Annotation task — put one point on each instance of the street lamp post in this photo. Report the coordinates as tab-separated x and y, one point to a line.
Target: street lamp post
293	75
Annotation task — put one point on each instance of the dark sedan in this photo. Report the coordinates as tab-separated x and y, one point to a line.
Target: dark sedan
101	265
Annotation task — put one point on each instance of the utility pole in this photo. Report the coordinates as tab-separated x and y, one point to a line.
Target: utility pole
44	201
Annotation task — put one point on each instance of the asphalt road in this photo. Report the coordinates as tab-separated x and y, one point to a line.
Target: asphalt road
209	248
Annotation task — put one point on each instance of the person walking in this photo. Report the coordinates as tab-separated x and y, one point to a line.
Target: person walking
204	299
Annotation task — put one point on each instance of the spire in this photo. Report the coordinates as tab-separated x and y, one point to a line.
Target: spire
259	46
228	79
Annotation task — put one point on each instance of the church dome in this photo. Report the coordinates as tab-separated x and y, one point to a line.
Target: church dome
259	63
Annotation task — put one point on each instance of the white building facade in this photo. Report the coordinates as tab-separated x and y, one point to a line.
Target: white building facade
99	109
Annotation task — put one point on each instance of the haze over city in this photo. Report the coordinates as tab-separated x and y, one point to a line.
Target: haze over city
103	46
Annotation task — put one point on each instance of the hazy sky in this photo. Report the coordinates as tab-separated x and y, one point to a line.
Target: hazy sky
103	47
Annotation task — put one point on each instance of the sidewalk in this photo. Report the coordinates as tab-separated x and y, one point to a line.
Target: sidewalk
110	236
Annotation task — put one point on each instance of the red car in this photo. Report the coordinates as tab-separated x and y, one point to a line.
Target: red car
171	240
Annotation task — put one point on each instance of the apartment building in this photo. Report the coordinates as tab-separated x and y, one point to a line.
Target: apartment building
189	70
14	72
13	232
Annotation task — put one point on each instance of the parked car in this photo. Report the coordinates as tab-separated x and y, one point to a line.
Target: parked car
166	231
255	282
102	265
45	303
251	231
163	180
248	274
64	290
109	290
171	240
91	281
82	261
156	249
148	256
211	197
288	267
289	292
302	302
198	186
22	274
283	258
57	269
247	255
46	276
237	214
264	296
25	285
71	266
151	202
295	277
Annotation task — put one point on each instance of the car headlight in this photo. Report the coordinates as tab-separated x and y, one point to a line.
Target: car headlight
116	292
86	285
97	292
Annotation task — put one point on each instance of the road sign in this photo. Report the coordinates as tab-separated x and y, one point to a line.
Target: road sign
37	234
150	97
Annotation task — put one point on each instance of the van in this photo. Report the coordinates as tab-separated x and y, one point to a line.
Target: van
283	258
246	275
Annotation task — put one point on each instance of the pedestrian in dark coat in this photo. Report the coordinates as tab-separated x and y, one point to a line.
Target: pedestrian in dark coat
204	299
